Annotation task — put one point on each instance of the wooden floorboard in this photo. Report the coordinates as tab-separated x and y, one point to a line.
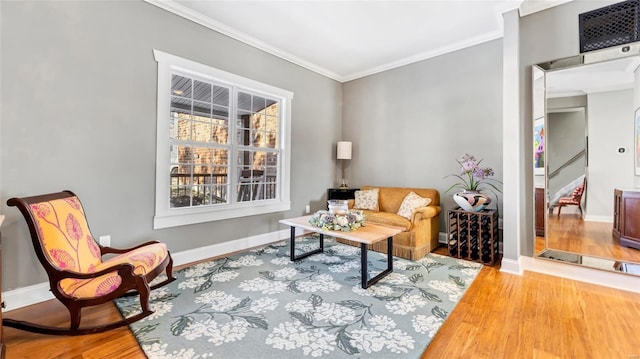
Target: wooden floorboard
500	316
569	232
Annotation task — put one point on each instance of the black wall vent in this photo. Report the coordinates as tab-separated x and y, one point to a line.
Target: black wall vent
611	25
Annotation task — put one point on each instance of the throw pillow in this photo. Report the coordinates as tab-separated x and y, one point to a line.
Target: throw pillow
367	199
411	202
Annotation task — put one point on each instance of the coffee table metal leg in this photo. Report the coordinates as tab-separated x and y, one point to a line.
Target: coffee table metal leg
366	282
293	256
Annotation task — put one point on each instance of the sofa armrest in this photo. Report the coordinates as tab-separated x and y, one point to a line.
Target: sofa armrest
427	212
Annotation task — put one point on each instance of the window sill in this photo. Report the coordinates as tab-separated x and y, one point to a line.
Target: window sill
186	216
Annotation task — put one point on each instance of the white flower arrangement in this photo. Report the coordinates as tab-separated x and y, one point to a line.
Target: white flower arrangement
343	221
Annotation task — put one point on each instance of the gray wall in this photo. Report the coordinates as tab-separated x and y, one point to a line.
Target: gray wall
565	139
78	98
611	125
410	124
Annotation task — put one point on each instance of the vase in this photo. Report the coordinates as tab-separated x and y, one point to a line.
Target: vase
338	206
472	201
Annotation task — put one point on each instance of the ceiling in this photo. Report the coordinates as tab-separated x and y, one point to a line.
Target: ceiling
604	76
346	40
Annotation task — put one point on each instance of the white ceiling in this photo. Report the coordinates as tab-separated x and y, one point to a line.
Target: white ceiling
346	40
605	76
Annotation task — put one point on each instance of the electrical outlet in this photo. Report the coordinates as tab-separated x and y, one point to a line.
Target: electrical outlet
307	209
105	241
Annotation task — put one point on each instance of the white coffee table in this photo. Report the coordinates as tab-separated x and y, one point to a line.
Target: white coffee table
368	234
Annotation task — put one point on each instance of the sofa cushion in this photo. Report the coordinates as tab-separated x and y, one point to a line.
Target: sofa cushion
390	198
390	219
410	203
367	199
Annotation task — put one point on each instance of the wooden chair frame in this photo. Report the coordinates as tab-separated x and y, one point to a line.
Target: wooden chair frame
131	283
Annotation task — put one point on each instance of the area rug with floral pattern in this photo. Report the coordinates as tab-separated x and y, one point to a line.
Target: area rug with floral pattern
259	304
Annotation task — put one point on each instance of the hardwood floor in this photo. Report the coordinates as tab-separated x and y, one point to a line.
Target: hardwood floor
568	232
500	316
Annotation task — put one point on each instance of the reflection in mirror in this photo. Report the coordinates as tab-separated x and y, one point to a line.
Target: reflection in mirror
585	105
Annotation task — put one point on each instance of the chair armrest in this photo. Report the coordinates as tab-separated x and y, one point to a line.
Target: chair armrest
123	269
111	250
425	213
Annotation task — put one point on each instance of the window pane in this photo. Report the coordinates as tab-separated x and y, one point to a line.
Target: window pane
202	155
202	174
220	134
271	124
243	137
258	139
271	139
180	105
219	175
202	109
180	86
244	158
257	122
259	160
220	157
272	159
180	126
258	104
244	192
220	112
244	101
219	194
201	131
202	91
200	195
179	197
221	96
244	119
182	154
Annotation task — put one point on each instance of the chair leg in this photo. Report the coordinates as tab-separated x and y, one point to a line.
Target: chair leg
559	209
75	314
143	292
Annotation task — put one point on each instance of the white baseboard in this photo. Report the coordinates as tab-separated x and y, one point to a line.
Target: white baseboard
592	218
33	294
24	296
442	238
215	250
511	266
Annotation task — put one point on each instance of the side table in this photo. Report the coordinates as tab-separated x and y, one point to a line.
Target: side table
341	193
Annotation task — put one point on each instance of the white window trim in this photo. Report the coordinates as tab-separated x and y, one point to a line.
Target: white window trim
170	217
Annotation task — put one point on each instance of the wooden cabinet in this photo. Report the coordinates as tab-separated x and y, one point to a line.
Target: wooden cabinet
626	217
341	193
473	235
540	209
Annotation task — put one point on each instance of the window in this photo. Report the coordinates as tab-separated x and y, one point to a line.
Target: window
222	144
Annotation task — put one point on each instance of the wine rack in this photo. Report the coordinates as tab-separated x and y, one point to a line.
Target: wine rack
473	235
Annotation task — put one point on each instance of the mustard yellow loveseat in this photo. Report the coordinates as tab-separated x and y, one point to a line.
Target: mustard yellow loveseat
420	234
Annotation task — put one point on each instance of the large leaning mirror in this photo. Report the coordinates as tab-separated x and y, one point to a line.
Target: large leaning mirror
585	151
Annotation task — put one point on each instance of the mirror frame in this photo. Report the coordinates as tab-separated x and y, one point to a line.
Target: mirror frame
613	53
